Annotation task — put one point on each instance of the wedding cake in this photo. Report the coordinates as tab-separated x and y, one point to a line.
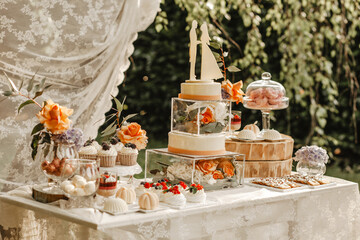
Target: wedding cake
199	117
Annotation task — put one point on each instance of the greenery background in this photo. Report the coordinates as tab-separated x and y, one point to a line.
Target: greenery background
310	46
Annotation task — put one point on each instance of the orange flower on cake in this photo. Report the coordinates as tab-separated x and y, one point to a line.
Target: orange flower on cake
206	166
54	117
234	90
133	133
227	167
218	175
207	116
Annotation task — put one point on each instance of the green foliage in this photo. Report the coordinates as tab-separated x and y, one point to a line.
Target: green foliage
311	47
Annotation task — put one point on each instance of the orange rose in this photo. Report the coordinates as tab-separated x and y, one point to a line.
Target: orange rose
217	174
206	166
207	116
227	167
234	90
55	117
133	133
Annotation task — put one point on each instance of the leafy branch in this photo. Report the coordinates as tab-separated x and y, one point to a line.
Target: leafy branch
110	130
36	89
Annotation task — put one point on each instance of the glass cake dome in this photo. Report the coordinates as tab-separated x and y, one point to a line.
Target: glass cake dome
265	95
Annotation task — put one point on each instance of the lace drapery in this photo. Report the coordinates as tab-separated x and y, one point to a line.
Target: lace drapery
81	47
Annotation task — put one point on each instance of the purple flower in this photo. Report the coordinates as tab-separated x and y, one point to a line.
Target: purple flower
71	136
311	154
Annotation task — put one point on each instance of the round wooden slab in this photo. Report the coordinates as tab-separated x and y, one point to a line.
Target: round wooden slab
263	150
268	168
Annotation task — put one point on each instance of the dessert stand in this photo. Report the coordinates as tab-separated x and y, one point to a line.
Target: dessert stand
265	95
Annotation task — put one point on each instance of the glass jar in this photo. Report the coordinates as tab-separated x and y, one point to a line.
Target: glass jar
307	168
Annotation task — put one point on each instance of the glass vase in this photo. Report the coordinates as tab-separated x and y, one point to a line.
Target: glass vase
307	168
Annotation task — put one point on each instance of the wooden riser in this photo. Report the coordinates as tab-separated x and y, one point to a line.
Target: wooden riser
268	168
263	150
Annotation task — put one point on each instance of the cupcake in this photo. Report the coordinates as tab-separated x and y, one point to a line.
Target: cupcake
128	155
107	156
195	194
88	151
175	198
117	146
107	186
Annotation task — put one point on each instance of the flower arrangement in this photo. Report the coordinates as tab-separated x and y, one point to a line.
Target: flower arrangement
127	133
312	155
54	119
229	91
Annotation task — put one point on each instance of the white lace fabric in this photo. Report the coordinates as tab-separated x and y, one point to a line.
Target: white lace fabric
241	213
81	47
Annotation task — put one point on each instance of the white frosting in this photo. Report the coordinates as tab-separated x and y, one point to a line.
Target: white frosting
96	145
246	134
272	135
110	152
110	179
175	199
129	150
208	88
90	188
198	197
118	147
115	205
91	150
197	142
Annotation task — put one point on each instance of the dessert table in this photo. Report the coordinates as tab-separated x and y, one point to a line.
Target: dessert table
245	212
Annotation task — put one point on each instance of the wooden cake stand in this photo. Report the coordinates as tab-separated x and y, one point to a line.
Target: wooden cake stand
265	158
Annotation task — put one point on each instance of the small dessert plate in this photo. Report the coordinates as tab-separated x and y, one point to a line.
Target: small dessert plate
160	208
277	189
131	209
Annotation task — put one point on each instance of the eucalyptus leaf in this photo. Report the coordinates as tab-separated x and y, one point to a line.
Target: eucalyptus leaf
119	106
128	117
109	129
24	104
12	84
214	127
31	84
215	45
38	94
233	69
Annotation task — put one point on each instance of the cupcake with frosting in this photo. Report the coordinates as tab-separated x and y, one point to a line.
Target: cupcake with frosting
88	151
195	194
117	146
128	155
107	156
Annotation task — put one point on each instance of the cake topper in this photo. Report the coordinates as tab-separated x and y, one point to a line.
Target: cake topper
193	49
209	67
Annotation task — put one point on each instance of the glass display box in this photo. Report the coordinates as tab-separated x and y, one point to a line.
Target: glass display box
200	117
213	172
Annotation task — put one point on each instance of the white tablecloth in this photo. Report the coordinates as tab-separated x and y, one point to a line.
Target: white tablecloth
240	213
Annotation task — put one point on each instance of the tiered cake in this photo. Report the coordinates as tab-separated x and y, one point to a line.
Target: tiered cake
199	119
